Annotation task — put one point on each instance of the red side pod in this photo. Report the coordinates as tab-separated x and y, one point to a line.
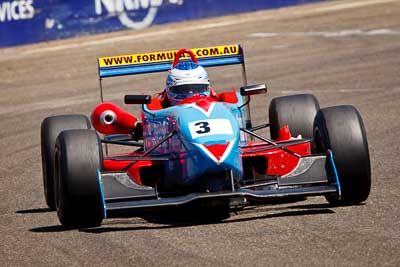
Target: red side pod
108	118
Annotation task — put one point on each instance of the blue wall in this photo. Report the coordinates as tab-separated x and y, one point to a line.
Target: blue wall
30	21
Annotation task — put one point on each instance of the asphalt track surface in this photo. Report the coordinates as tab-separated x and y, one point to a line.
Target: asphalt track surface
344	52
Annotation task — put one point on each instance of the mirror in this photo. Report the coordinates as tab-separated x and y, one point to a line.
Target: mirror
253	89
137	99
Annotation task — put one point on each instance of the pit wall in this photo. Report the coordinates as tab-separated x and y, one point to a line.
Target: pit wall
31	21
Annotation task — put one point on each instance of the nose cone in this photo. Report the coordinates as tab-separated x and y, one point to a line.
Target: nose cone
206	146
210	133
217	152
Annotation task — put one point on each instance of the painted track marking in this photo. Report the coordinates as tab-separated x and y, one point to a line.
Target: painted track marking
343	33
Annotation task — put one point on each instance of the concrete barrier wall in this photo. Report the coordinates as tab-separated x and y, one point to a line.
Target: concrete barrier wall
30	21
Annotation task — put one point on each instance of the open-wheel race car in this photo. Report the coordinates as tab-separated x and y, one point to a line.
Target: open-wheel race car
204	149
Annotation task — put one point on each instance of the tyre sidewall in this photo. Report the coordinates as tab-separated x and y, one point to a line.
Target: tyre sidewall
50	129
78	196
341	130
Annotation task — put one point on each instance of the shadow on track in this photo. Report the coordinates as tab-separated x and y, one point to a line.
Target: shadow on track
50	229
33	211
176	218
185	217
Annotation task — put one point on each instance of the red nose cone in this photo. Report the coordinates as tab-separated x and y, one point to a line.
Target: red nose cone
218	152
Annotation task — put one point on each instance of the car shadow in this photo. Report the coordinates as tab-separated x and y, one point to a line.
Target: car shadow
179	219
33	211
184	217
50	229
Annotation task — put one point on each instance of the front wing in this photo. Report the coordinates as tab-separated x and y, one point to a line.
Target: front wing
314	175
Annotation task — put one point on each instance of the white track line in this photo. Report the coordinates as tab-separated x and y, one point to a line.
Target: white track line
333	6
344	33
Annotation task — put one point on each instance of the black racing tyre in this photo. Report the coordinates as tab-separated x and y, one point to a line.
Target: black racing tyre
50	129
79	157
341	130
296	111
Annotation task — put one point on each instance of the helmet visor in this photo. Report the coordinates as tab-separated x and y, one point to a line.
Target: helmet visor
189	89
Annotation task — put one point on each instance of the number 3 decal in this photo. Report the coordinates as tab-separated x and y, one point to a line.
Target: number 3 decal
202	127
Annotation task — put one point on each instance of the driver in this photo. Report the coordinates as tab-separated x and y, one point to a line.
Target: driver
184	80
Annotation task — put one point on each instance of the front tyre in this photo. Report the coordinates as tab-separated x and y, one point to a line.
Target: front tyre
78	195
51	127
341	130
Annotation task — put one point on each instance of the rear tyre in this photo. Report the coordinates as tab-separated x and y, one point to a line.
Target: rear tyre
296	111
79	157
341	130
50	129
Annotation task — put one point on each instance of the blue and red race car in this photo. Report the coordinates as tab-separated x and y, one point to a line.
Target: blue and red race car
203	150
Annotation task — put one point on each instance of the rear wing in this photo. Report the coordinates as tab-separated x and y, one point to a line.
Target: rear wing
161	61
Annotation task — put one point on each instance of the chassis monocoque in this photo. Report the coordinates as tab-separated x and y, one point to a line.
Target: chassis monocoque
203	150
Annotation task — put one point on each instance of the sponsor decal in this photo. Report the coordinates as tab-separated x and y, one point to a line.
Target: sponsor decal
128	11
167	56
16	10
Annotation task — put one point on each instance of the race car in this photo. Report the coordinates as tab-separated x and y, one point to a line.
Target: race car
202	150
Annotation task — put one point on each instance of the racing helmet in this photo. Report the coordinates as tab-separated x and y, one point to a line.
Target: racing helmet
186	79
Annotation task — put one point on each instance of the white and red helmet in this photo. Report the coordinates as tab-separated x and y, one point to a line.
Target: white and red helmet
186	79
